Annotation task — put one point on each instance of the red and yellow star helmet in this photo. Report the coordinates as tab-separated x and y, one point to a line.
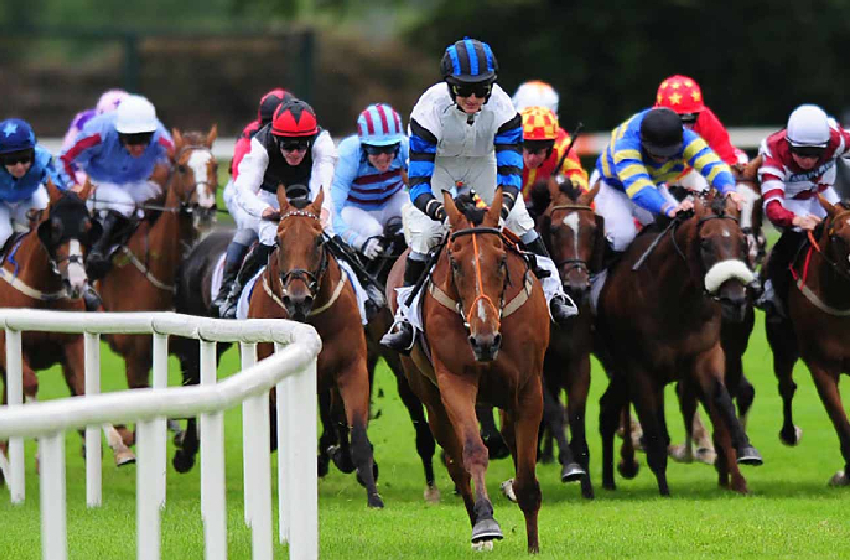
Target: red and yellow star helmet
539	123
681	94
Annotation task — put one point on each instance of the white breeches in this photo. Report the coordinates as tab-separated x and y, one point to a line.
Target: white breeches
14	215
242	218
122	198
370	223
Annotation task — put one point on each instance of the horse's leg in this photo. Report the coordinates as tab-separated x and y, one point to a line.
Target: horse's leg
826	380
5	467
688	405
329	433
643	391
353	383
577	389
611	407
783	344
186	446
528	415
490	434
553	421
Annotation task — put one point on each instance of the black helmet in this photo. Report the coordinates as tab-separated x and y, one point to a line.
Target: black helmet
469	61
661	132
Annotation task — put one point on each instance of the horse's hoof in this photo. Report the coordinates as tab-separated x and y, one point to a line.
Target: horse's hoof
124	458
486	530
179	438
432	494
680	454
342	460
173	426
374	475
183	462
546	458
508	490
839	479
707	455
609	485
482	546
496	447
791	439
587	489
749	456
628	471
375	501
322	466
572	472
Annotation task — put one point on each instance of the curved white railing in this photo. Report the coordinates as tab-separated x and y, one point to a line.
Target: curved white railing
292	370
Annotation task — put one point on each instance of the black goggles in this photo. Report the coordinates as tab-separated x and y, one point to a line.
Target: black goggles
18	157
535	147
808	151
293	145
378	150
479	89
136	139
689	118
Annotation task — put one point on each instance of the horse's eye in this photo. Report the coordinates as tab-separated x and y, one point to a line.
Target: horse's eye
182	168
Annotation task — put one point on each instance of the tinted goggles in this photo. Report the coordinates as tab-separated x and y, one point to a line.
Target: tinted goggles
808	151
293	144
378	150
689	118
480	89
17	157
137	139
536	147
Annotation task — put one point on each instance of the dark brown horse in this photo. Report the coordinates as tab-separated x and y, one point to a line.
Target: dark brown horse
144	275
304	282
486	324
818	328
45	269
659	322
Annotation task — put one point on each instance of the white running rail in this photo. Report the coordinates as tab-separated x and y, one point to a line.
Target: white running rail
292	370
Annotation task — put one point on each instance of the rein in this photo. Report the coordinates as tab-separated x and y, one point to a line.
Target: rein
801	279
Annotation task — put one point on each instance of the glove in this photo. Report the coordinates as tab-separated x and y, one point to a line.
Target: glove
372	248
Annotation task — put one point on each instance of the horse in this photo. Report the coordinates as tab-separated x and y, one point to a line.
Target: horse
144	272
483	292
304	282
44	269
817	327
658	321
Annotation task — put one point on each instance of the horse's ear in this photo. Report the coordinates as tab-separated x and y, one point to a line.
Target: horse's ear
178	140
281	198
213	134
452	212
54	193
495	211
317	204
586	198
828	208
554	187
85	192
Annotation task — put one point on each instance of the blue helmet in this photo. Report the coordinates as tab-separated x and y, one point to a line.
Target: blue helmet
469	61
16	135
379	125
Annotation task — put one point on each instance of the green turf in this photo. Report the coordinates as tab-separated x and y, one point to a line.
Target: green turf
791	513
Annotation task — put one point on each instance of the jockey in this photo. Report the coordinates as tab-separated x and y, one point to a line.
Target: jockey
649	149
535	94
118	152
107	103
26	167
246	225
290	150
368	187
465	136
798	164
544	144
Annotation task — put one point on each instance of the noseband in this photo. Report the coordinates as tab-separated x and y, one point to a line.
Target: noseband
312	279
479	284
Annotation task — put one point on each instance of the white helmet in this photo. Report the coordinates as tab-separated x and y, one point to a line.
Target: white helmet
536	94
135	114
808	126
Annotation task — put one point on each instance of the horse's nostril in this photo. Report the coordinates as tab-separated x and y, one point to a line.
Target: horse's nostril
497	340
473	341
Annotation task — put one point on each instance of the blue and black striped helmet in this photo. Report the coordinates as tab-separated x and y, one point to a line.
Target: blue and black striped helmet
469	61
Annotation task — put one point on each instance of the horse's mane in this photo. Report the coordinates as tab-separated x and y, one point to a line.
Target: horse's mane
468	207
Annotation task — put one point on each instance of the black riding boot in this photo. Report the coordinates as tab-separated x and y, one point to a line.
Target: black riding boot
232	263
98	262
777	278
257	258
561	306
400	336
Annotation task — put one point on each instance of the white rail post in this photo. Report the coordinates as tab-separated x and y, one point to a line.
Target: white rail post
213	491
54	537
259	466
304	529
147	503
284	489
94	458
248	352
15	390
160	381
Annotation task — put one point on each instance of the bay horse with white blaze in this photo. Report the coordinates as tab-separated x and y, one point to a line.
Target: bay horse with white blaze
482	292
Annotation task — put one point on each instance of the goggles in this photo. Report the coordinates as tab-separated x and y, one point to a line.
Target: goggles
479	89
14	158
137	139
293	144
689	118
536	147
378	150
808	151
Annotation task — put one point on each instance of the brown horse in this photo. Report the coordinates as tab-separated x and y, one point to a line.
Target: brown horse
482	292
44	269
819	329
144	274
659	321
304	282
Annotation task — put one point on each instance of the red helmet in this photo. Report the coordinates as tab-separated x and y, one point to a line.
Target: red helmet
294	118
269	103
681	94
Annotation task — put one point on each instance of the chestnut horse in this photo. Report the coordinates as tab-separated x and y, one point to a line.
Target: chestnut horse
45	269
659	320
144	273
818	328
304	282
482	292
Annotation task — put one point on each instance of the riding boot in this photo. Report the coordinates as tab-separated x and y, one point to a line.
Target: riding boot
537	247
777	277
561	306
232	263
255	260
91	298
400	336
98	261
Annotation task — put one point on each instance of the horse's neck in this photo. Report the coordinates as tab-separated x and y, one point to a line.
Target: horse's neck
673	275
33	264
833	287
164	239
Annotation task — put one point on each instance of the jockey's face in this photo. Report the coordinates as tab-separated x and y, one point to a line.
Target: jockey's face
293	150
381	161
806	163
136	143
19	168
470	105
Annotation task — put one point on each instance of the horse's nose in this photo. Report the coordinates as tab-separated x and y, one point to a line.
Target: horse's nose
485	347
298	306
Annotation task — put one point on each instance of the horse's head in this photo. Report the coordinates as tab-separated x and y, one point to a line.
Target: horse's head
574	235
479	268
835	239
67	232
301	254
197	170
718	250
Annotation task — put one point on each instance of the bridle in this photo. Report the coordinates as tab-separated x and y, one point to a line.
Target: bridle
479	284
311	279
574	263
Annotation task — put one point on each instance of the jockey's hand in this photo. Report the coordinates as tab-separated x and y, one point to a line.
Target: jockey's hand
270	214
324	217
684	206
736	198
372	248
805	223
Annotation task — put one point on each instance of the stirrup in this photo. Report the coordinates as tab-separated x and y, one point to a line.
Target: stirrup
91	298
565	307
397	337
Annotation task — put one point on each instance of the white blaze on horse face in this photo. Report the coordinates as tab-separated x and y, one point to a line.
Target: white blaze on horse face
76	270
482	311
198	161
571	221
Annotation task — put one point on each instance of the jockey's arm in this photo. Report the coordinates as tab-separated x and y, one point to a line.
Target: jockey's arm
717	137
344	175
88	145
423	152
250	178
571	168
637	180
706	162
508	145
321	175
